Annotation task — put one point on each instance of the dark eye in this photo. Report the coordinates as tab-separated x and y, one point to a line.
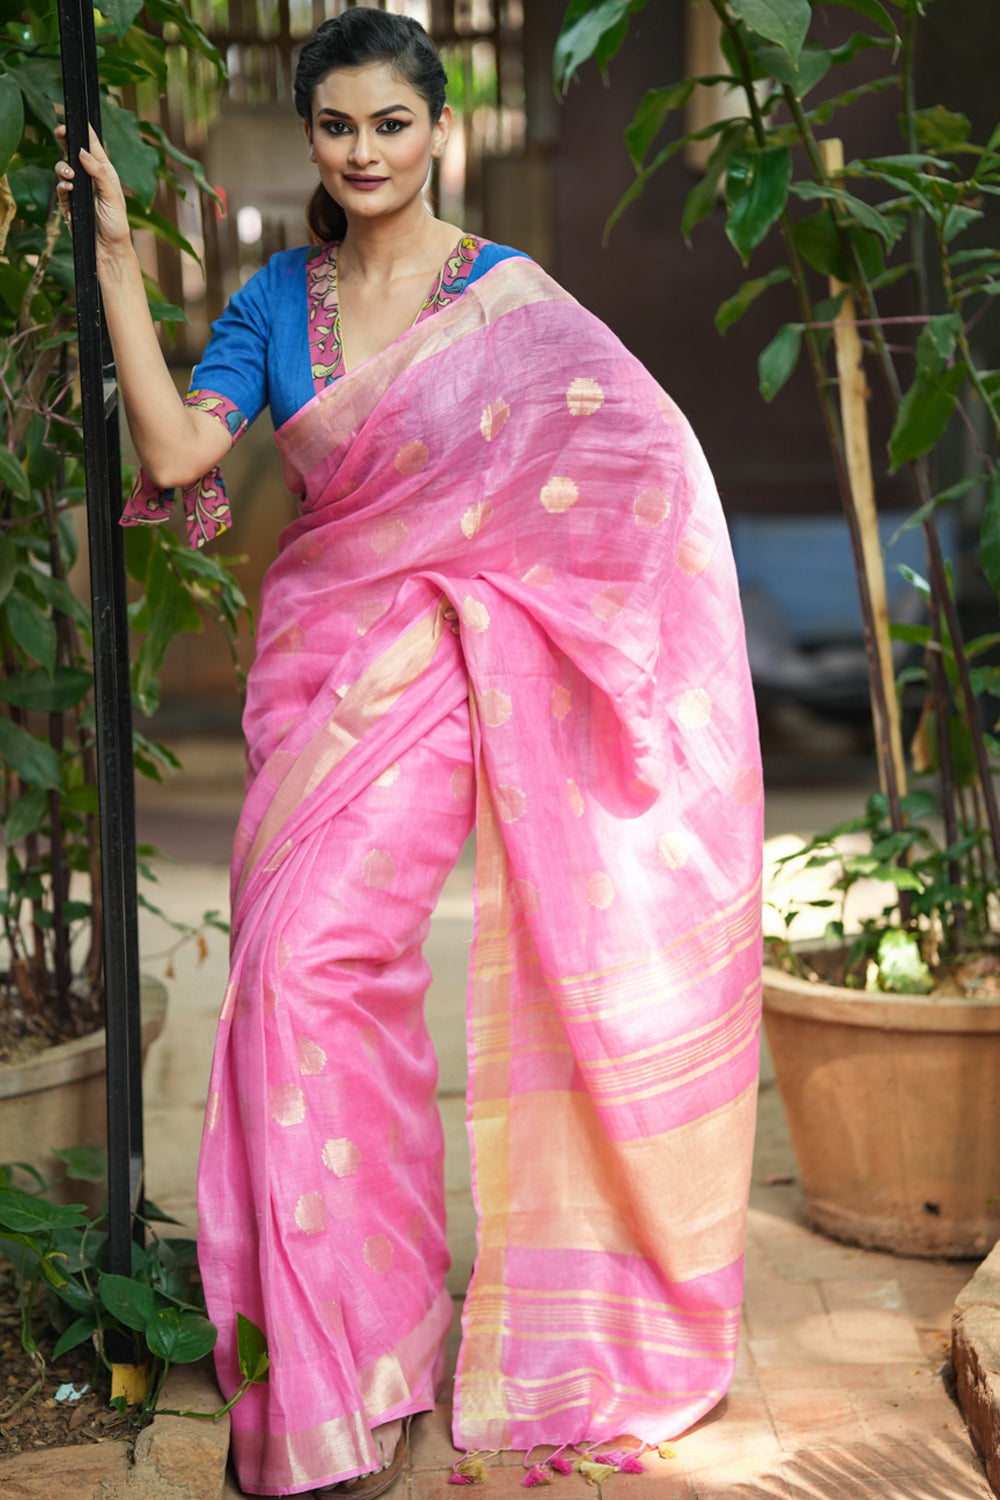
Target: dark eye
335	127
393	127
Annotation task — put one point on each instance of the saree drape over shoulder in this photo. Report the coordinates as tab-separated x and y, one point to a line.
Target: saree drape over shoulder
509	586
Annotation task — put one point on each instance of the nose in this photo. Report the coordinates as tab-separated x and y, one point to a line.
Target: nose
365	148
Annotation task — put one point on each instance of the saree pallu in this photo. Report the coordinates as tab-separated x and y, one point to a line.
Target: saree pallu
509	582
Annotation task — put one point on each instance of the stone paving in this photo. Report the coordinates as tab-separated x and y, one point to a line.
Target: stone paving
838	1390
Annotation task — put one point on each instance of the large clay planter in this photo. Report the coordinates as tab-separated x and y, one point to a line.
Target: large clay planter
57	1098
893	1105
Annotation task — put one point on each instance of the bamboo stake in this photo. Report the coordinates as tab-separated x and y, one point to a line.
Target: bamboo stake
854	416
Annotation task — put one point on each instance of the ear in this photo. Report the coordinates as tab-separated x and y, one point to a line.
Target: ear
441	132
307	127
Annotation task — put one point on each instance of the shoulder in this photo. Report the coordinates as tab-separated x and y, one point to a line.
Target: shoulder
278	271
491	255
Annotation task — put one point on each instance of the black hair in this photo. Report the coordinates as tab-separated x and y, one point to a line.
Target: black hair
360	36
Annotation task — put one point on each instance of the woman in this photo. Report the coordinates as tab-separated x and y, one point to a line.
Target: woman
509	600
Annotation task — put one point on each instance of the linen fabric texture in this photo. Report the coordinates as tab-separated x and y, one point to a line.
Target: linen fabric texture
508	596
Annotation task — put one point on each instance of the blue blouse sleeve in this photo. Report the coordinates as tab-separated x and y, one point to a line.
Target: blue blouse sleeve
234	364
490	256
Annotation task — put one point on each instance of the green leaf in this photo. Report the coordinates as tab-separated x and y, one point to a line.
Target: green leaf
36	690
129	1301
35	762
924	413
937	342
251	1343
180	1337
756	193
11	119
161	227
902	971
989	536
12	474
813	65
776	363
61	597
83	1163
78	1332
873	10
8	564
33	630
652	110
940	129
888	229
191	34
136	162
20	1213
167	312
25	815
121	13
782	21
40	82
584	25
702	198
734	307
190	163
821	245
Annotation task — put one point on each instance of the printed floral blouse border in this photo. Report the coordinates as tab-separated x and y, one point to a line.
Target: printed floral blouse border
206	504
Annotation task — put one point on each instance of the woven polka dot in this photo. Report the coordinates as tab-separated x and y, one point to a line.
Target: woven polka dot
494	419
608	603
378	868
540	576
388	536
475	615
495	707
694	554
411	457
366	616
575	798
511	803
747	788
290	641
333	1318
308	550
695	708
558	495
475	518
561	701
213	1110
462	782
667	409
310	1213
284	954
287	1104
416	1228
389	776
312	1058
529	896
378	1253
673	850
650	507
228	1002
395	1129
600	891
584	397
341	1157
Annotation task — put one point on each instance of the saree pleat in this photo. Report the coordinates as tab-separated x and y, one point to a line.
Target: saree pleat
501	515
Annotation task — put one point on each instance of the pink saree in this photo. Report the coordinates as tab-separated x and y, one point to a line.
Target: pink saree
510	594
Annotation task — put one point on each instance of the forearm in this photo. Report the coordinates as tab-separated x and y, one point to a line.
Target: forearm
175	444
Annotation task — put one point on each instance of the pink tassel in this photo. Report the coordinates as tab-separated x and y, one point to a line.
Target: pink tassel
561	1465
536	1475
460	1479
631	1464
613	1456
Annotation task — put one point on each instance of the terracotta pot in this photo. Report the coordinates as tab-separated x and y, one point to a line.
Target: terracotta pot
893	1105
57	1098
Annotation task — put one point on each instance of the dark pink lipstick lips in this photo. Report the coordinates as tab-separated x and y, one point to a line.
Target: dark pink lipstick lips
360	181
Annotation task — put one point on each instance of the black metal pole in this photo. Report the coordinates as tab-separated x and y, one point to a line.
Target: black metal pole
116	792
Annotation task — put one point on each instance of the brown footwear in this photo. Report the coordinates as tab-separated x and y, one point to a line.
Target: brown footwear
368	1486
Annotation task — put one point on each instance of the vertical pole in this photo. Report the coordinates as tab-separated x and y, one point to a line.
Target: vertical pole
115	783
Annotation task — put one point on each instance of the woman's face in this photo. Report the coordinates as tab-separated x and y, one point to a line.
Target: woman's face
372	138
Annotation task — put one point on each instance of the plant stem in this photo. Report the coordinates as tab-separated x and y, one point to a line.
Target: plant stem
939	693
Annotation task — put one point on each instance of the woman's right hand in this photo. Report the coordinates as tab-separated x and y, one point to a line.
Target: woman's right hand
110	212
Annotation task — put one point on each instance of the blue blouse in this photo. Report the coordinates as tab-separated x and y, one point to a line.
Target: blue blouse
259	352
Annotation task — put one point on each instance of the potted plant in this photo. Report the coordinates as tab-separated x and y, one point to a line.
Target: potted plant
51	963
886	1042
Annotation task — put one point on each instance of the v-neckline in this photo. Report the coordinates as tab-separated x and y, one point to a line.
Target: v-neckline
326	346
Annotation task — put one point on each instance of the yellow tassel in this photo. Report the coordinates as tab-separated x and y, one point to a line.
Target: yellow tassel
473	1468
595	1473
129	1381
665	1450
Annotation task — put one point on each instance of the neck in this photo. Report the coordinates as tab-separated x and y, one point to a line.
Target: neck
378	250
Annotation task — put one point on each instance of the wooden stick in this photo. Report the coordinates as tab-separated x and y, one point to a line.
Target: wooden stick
854	395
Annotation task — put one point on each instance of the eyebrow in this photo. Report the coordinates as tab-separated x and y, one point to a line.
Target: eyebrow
390	109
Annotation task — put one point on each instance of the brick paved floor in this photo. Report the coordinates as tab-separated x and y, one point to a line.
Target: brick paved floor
838	1390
